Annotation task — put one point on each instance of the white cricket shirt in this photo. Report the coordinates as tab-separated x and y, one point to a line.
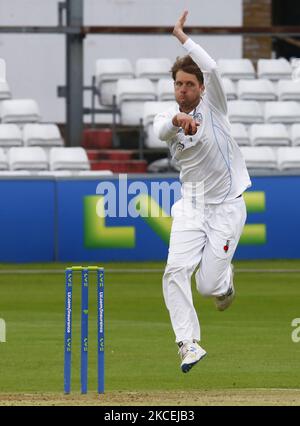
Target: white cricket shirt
211	156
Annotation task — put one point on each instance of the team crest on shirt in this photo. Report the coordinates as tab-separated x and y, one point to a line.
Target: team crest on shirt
198	117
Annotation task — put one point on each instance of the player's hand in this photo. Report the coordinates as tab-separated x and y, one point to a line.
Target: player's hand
180	23
186	122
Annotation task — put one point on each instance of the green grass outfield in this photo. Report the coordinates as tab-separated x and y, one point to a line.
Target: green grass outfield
249	346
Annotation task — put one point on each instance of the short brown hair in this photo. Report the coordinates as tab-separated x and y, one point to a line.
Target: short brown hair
187	64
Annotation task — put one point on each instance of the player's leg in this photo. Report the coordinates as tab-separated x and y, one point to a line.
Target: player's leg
186	244
215	274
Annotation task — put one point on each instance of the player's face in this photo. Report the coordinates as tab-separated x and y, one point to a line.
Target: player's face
187	90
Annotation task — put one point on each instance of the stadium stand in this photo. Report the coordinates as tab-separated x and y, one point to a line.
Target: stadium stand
288	90
74	159
274	69
286	112
46	135
236	69
230	89
108	72
269	134
131	95
289	159
3	160
246	112
165	90
295	134
240	134
10	135
5	92
19	111
256	90
153	68
27	158
260	158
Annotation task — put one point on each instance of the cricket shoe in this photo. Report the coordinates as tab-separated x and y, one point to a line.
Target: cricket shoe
190	353
223	302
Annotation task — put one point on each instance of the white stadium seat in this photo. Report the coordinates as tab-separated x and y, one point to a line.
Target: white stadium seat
165	89
246	112
131	95
295	134
153	68
94	173
68	159
288	90
274	69
286	112
19	111
108	72
230	89
257	90
5	92
42	135
10	135
240	134
150	110
260	158
27	158
289	158
269	134
14	173
235	69
3	160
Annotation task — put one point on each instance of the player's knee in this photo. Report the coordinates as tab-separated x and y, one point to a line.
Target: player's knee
205	286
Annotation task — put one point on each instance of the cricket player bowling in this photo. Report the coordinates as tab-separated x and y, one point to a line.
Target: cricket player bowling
209	217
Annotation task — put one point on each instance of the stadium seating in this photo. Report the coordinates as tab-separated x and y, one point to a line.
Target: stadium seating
240	134
288	90
295	134
19	111
165	90
286	112
269	134
5	92
42	135
3	160
236	69
131	95
153	68
274	69
289	159
260	158
257	90
108	72
230	89
27	158
10	135
246	112
68	159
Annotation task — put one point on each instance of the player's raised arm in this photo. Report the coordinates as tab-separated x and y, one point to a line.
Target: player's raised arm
213	83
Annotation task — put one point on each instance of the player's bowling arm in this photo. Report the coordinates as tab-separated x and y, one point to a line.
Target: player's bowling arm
212	80
163	127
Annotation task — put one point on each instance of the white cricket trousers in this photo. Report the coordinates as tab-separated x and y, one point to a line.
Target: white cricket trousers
208	239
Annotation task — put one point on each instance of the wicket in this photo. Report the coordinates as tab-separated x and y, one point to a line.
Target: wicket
84	327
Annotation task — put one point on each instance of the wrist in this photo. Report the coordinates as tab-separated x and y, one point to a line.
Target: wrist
174	121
